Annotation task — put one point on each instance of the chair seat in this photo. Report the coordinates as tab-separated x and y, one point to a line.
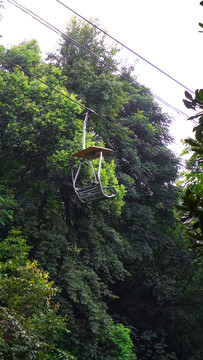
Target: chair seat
89	193
95	192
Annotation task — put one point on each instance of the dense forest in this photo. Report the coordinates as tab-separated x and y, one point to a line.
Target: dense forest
113	279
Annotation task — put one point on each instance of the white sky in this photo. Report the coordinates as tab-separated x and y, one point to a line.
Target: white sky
166	33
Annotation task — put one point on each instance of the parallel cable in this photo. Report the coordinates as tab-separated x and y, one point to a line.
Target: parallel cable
180	112
173	108
126	47
133	136
59	32
36	17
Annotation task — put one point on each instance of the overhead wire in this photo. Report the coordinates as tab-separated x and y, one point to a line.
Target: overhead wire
133	136
80	45
126	47
180	112
59	32
68	97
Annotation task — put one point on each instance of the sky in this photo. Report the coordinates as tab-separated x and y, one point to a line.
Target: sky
165	33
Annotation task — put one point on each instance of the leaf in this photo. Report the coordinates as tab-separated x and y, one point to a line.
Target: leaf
200	94
191	142
188	104
195	116
197	150
188	95
200	126
197	237
196	225
181	208
199	134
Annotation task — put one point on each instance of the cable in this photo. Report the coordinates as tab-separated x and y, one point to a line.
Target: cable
59	32
68	97
152	93
167	104
133	136
126	47
53	28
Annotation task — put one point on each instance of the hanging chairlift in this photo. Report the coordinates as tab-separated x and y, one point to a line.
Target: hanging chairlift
94	190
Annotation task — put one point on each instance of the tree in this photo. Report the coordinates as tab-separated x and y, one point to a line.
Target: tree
40	130
95	83
157	259
192	199
7	205
122	260
27	55
120	344
30	327
155	255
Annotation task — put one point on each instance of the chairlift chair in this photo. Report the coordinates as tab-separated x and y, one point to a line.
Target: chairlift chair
94	190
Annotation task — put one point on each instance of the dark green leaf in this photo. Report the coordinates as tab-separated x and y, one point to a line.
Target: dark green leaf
188	104
199	133
200	93
191	142
196	225
179	207
188	95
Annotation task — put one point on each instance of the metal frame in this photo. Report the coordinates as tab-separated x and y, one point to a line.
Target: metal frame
95	190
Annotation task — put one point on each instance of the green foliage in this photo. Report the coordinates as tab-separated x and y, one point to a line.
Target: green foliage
155	347
40	130
123	259
7	205
27	55
120	344
157	256
30	326
192	200
41	136
93	81
191	206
